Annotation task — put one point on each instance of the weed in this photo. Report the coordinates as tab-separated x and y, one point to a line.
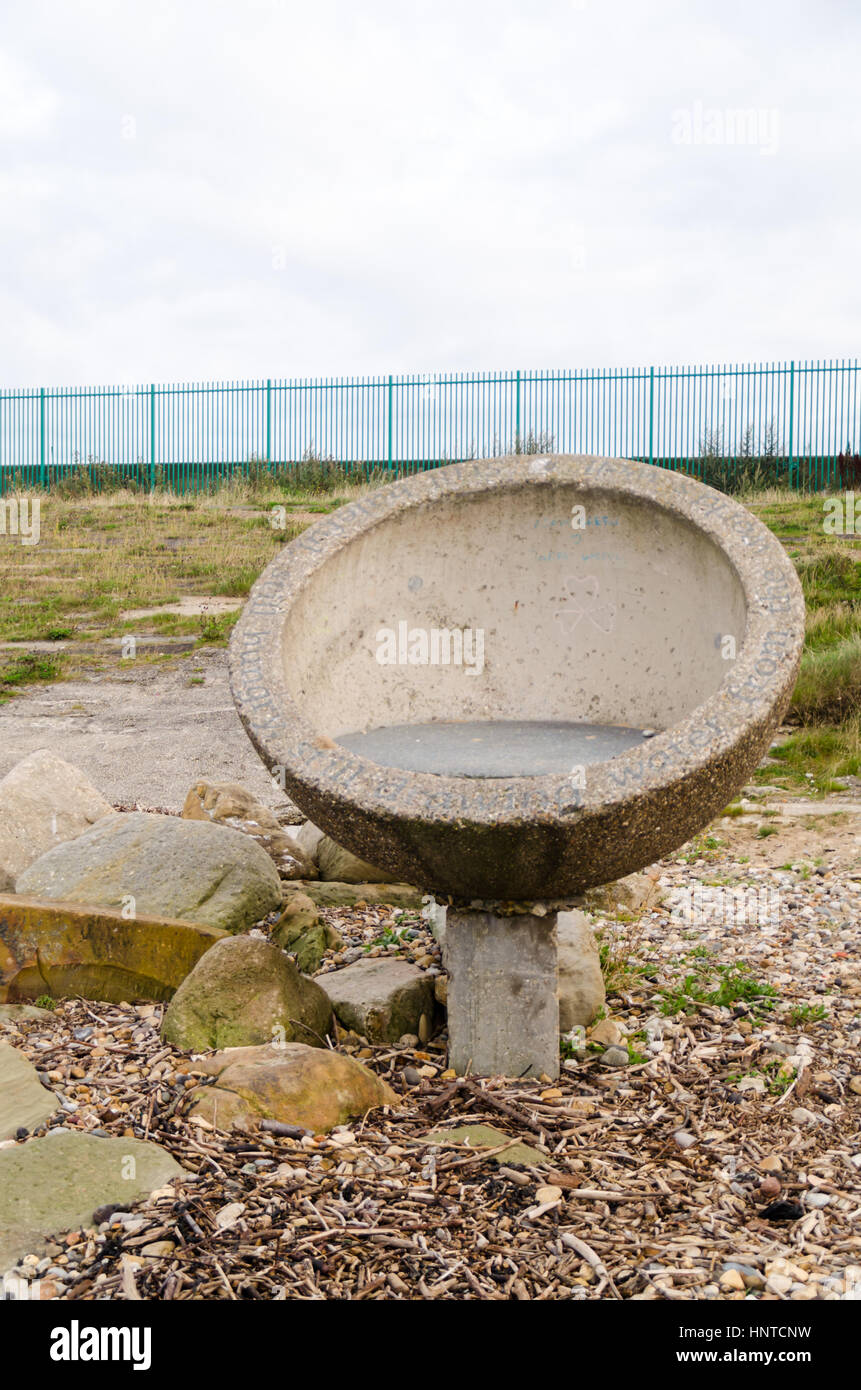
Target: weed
720	986
803	1014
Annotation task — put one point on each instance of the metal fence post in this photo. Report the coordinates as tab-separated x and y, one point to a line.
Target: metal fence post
651	413
791	415
42	436
517	416
151	437
269	422
391	392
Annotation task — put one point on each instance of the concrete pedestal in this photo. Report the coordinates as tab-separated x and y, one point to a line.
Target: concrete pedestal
503	1010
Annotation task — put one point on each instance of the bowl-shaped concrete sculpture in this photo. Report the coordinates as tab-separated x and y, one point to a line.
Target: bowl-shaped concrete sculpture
516	678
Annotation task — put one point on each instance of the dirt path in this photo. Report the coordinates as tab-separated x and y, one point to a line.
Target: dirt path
142	734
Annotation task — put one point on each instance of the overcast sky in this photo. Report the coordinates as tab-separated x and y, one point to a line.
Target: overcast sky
269	188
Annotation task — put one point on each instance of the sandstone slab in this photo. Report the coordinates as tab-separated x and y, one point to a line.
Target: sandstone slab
44	801
381	999
60	949
311	1087
24	1101
164	867
246	992
55	1184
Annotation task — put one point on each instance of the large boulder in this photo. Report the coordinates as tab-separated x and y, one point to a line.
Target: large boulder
56	948
24	1101
333	861
161	866
55	1184
382	999
310	1087
242	993
43	802
229	803
581	983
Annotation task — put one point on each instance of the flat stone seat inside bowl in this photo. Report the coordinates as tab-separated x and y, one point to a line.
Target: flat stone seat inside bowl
492	747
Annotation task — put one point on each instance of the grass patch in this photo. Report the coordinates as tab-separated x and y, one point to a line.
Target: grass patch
720	986
26	668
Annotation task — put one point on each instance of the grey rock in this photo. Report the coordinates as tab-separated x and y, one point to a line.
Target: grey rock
186	869
752	1277
615	1057
24	1101
380	999
44	801
581	984
15	1013
55	1184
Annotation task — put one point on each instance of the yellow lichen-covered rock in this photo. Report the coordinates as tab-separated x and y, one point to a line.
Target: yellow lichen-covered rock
60	948
313	1088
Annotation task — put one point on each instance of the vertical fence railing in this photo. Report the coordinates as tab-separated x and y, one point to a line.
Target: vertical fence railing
798	416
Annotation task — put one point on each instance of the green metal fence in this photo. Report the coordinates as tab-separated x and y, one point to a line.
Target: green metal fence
798	420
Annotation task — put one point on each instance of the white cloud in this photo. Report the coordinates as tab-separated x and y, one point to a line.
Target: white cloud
274	189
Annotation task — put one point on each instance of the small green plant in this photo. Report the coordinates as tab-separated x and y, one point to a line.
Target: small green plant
721	986
803	1014
704	847
391	936
765	830
215	628
46	1002
775	1081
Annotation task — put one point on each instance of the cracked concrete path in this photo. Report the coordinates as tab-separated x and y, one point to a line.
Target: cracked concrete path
142	734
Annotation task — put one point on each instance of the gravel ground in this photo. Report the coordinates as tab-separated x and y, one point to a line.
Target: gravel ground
723	1162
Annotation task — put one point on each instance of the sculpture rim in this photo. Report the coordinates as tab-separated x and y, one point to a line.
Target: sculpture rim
720	736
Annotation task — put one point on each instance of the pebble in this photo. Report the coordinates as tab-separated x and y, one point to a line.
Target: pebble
817	1199
158	1248
684	1139
550	1193
615	1057
802	1116
750	1277
229	1215
855	1085
771	1164
731	1279
607	1032
778	1283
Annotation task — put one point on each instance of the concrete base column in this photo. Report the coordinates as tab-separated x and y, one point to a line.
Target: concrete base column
503	1010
